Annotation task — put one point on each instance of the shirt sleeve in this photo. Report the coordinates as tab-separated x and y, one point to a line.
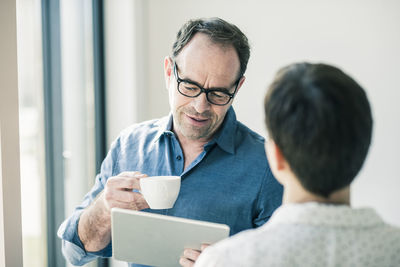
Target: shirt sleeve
72	247
269	198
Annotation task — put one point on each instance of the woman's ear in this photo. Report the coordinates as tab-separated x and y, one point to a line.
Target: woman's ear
274	154
281	163
277	162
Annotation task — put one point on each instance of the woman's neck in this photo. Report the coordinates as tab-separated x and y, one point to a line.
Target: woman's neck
294	192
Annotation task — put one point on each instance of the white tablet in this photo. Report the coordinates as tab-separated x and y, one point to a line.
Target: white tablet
159	240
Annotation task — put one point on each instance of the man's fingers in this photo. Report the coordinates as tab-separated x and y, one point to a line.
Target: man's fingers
191	254
126	180
138	204
185	262
122	191
131	174
119	182
131	205
204	246
122	196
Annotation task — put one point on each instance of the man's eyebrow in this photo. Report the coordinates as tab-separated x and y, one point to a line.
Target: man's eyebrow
210	88
191	81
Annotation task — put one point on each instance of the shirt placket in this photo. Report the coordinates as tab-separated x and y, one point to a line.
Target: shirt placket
177	159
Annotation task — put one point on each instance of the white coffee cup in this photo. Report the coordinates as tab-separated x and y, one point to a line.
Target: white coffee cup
160	192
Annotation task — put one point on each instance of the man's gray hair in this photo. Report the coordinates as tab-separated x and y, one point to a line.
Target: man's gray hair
220	32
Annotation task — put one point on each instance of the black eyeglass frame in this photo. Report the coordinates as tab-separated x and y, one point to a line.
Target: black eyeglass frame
204	90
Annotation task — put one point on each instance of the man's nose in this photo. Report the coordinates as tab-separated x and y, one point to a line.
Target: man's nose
201	103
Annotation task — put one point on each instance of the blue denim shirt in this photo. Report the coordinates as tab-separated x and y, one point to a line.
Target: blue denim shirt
230	182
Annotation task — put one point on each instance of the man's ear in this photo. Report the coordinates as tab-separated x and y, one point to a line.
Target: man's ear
168	71
240	83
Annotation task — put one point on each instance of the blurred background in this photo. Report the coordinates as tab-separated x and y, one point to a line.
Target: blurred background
89	68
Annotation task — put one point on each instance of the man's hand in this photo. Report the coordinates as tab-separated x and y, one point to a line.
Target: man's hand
94	227
190	256
122	191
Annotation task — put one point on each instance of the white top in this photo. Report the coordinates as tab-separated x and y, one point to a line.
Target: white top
311	234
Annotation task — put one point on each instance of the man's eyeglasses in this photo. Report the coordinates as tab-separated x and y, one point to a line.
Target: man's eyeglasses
218	96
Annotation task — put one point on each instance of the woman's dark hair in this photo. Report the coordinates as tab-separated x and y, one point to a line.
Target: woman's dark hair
321	120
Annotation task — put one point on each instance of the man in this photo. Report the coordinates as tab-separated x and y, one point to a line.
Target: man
222	163
320	124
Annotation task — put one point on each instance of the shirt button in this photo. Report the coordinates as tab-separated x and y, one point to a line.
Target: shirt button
178	157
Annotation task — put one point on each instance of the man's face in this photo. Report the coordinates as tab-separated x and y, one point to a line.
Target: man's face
210	66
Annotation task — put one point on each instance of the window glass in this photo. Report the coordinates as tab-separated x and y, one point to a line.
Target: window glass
78	101
30	83
78	117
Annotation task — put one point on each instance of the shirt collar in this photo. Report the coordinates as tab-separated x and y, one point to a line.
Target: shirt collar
224	138
164	126
314	213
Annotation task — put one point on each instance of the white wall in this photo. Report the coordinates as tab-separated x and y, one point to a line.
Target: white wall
362	37
126	63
